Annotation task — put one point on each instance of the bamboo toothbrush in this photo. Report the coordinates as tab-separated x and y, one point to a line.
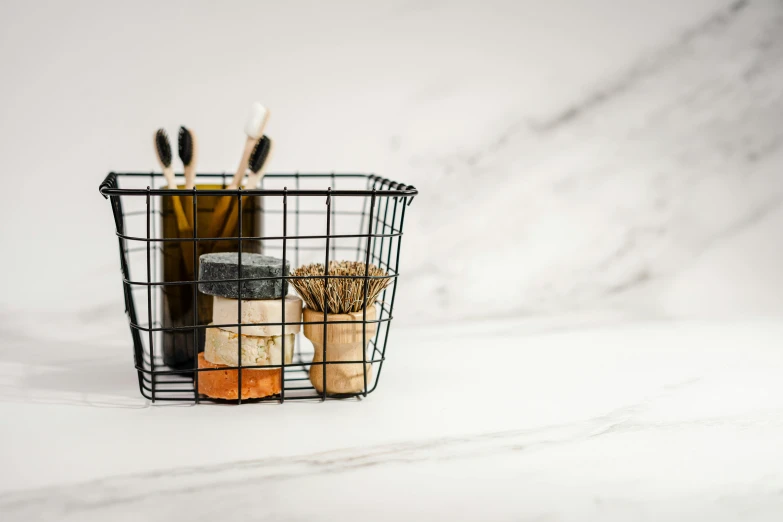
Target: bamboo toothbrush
188	153
254	129
163	153
257	166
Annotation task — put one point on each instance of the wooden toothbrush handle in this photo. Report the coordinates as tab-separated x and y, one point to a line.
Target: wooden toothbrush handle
184	227
190	168
185	232
232	218
250	144
187	200
171	179
190	176
219	215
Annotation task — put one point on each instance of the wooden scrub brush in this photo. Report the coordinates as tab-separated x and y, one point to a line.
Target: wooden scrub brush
342	302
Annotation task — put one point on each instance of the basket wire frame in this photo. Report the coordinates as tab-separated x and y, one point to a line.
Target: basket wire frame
378	239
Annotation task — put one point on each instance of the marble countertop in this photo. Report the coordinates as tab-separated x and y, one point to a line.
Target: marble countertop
606	156
585	417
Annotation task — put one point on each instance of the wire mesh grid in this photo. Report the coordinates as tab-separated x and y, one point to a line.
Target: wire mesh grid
358	217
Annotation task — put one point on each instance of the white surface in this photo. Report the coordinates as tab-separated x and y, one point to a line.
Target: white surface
607	175
582	418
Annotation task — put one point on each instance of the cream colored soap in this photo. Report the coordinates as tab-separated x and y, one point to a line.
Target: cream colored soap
220	347
224	311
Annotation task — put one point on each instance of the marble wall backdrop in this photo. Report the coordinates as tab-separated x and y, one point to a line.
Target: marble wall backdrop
657	188
570	155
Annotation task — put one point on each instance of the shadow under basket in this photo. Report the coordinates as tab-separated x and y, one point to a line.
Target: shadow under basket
293	217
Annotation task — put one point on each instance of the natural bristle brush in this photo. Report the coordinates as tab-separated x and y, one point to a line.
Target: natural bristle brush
163	153
349	303
256	164
254	130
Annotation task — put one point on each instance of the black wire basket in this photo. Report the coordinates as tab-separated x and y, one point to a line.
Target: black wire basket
291	217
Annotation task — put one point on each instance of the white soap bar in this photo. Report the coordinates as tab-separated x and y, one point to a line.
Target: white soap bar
224	311
220	347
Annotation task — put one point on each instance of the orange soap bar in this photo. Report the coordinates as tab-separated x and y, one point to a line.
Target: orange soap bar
222	384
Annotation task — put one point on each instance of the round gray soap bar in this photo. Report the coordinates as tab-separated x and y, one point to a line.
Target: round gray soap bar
223	265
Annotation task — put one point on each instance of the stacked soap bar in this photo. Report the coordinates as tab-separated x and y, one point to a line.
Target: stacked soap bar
262	344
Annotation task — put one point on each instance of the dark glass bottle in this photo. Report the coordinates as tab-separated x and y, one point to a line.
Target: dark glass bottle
179	349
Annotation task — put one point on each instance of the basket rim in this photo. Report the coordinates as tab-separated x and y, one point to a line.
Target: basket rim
109	186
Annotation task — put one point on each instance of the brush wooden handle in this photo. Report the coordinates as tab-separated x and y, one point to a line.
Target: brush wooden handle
183	226
250	144
190	181
219	214
190	168
254	131
171	179
252	182
185	232
344	343
187	207
190	177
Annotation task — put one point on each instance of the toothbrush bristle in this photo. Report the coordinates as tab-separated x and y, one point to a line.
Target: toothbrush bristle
185	142
163	147
259	154
254	127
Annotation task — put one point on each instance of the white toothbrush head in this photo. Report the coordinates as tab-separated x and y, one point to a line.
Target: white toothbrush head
256	122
